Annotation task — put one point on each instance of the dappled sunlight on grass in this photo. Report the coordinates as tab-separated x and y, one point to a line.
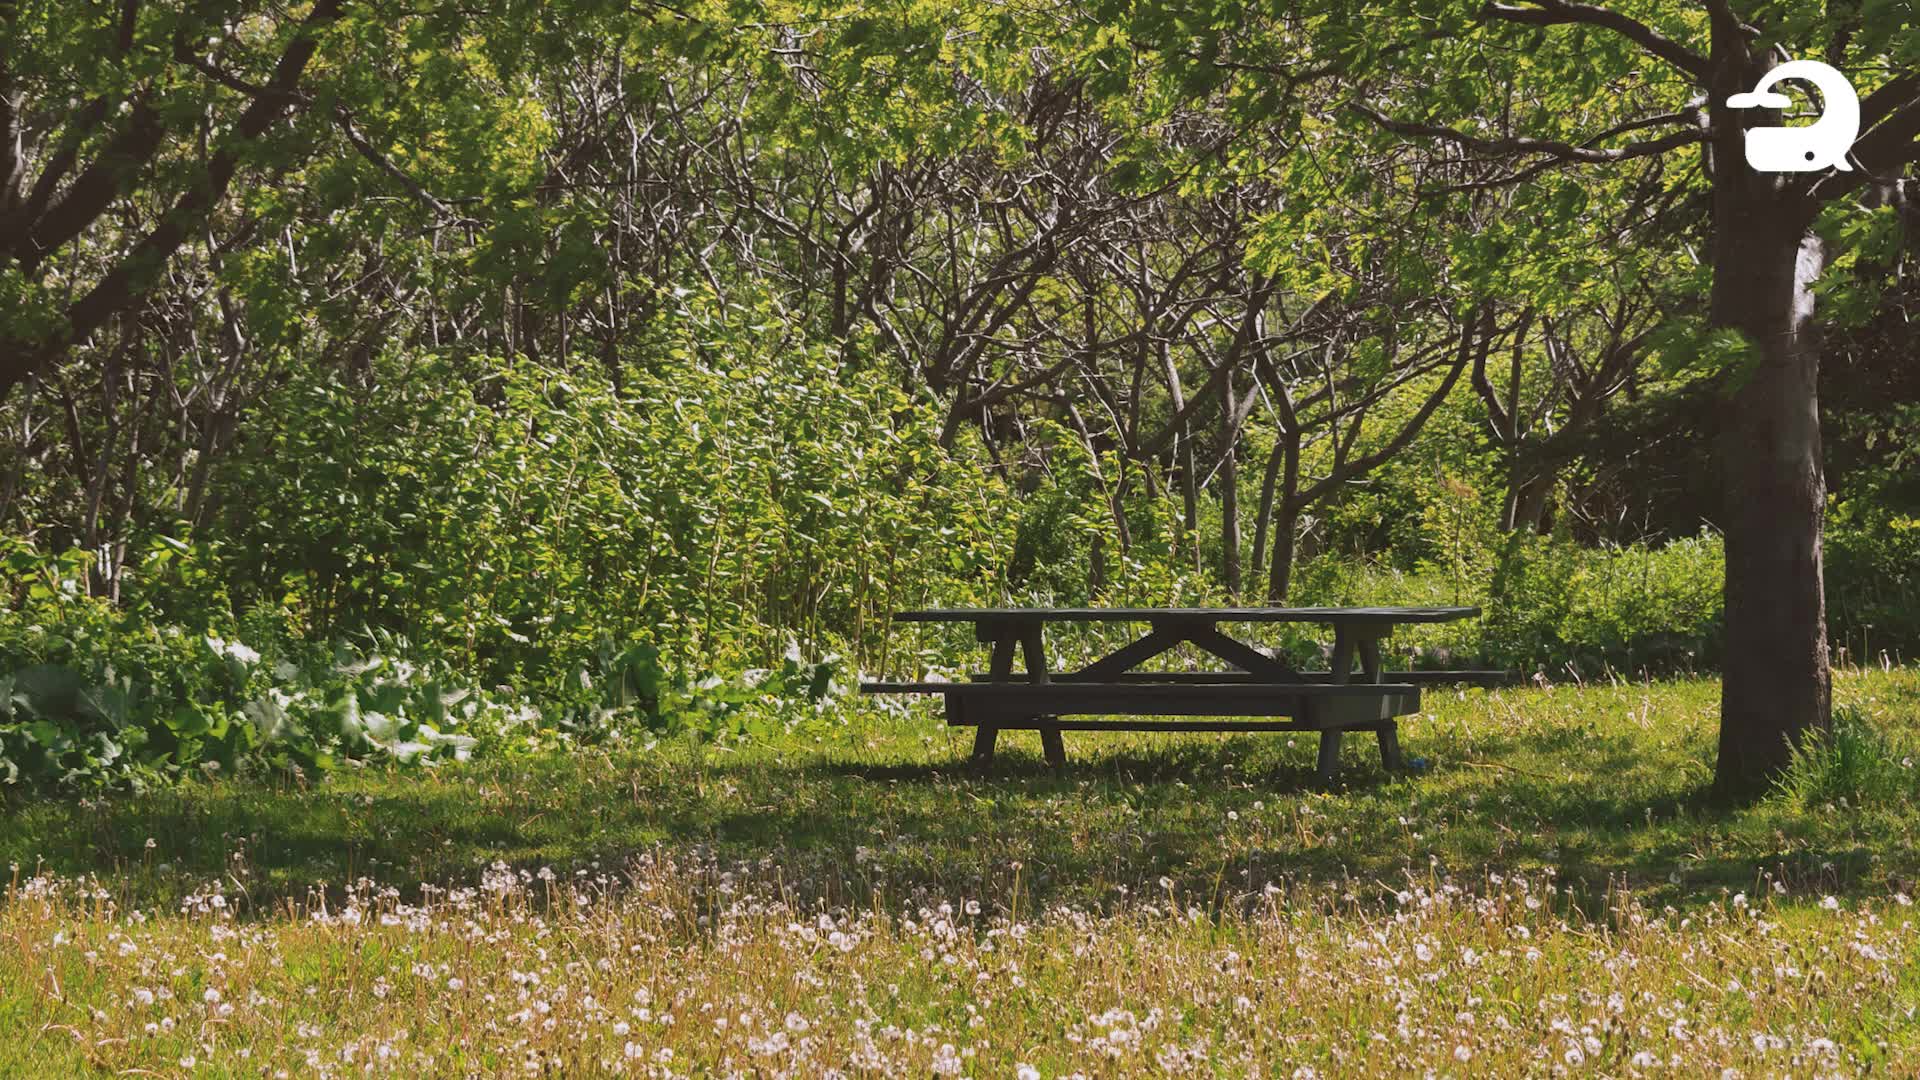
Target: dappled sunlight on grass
1598	783
1552	885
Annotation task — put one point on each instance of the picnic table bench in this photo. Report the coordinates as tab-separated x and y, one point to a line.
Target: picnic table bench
1260	685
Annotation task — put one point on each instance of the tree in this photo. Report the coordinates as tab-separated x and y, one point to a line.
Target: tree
1553	84
158	70
196	197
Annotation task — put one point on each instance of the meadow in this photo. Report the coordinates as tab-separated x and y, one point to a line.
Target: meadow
456	462
1551	894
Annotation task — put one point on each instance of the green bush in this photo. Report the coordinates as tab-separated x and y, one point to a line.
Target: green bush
1633	608
94	695
1873	582
1549	605
507	519
1856	762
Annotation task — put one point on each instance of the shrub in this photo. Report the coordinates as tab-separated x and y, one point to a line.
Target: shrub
1855	762
507	519
94	695
1549	605
1873	582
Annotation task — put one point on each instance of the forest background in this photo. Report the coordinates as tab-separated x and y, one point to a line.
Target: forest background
391	381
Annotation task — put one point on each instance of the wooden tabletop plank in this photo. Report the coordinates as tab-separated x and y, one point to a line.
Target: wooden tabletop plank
1334	615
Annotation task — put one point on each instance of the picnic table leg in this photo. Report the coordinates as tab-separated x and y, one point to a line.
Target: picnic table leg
1340	673
1369	659
986	735
1329	762
1051	746
1388	733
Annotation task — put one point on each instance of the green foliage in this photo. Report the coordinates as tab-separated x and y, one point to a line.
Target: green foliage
1639	607
98	696
1873	567
94	696
1059	523
630	689
1550	605
718	500
1856	762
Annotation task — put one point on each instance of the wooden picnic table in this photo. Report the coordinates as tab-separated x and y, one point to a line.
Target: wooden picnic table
1328	702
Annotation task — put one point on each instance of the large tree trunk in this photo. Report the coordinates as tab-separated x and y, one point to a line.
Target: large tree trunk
1775	683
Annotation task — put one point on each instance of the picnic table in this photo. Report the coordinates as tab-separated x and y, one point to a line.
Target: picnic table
1258	684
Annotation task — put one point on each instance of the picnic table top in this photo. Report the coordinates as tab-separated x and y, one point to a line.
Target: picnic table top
1335	615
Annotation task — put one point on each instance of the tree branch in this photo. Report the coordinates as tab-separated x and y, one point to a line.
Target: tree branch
137	271
1878	105
1893	144
1560	12
1350	468
1217	377
1501	416
1889	144
122	153
1553	148
1696	116
123	32
12	151
367	150
183	52
92	191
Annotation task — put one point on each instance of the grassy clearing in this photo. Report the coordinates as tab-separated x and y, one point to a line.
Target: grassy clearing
1552	894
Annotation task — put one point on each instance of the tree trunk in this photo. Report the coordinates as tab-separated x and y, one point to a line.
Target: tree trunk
1527	494
1775	683
1286	521
1230	518
1263	513
1532	511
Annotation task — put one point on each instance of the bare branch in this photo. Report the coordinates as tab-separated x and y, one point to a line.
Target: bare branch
1691	115
184	53
12	99
385	164
1890	143
1347	469
1217	377
92	191
1890	146
1552	148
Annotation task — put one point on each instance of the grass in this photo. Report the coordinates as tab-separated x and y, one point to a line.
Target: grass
1552	893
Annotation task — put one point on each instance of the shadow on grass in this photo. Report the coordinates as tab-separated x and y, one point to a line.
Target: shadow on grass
1207	822
1130	766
